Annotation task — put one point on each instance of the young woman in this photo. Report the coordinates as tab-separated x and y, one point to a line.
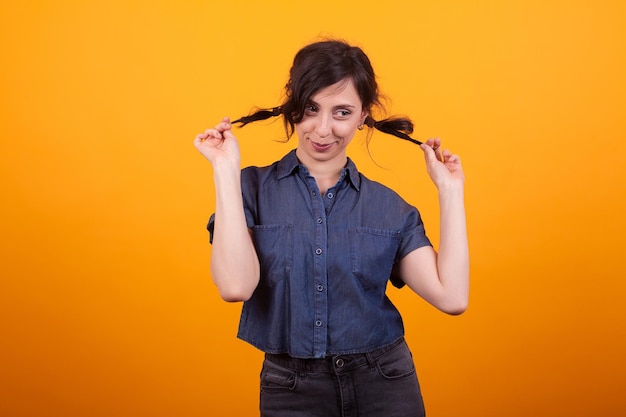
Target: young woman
309	244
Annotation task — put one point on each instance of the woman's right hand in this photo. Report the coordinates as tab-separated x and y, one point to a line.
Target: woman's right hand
234	261
219	143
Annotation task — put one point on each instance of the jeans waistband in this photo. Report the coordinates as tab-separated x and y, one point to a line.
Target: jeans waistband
331	363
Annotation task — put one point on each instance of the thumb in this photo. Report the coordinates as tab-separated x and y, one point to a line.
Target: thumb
429	153
228	134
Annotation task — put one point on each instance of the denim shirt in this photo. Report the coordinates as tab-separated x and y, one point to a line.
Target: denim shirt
325	260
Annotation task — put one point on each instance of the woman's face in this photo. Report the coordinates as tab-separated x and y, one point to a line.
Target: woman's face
330	121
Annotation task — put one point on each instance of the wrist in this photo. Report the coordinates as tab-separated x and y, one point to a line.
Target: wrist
451	188
226	165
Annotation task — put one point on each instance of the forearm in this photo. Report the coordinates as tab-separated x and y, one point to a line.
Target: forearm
234	262
453	258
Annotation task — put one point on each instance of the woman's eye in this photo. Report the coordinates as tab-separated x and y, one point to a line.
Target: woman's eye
343	113
310	108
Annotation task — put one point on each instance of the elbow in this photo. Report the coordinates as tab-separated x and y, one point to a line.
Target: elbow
456	311
234	291
233	287
234	295
456	307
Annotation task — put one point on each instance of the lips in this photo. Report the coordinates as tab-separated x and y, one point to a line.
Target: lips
320	147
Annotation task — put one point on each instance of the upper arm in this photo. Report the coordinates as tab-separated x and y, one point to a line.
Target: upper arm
418	270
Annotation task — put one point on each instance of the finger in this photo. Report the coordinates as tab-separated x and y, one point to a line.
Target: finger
449	155
433	142
228	134
214	134
452	161
455	159
429	153
436	143
224	124
212	131
203	136
200	139
437	148
209	134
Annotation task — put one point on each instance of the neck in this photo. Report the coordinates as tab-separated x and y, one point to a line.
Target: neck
326	173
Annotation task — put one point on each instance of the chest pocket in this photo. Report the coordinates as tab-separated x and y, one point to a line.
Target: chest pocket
372	254
274	246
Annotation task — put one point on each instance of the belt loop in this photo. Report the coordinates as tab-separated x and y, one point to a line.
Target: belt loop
370	360
300	366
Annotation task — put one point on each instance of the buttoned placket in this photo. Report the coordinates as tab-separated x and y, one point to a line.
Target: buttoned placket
320	278
321	206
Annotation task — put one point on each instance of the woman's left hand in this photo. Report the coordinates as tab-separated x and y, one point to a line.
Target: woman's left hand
444	167
442	278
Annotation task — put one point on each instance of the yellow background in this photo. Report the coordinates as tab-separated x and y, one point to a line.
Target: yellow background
106	304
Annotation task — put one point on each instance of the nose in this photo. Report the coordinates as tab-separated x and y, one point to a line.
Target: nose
324	126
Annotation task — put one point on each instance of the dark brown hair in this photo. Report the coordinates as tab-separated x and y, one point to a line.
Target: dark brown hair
322	64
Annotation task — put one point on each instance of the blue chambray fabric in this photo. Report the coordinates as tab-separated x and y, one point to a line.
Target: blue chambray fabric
325	260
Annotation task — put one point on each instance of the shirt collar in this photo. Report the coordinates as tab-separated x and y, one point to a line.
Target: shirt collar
290	164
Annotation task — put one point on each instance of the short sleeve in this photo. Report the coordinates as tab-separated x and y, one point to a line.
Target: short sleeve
248	190
413	237
210	227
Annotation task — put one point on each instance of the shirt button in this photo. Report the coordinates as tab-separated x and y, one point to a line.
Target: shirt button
339	363
318	323
318	251
319	220
330	195
320	287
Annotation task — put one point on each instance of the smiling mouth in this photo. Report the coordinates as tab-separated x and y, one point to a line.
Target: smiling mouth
320	146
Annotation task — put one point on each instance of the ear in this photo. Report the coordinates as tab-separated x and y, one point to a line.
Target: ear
364	115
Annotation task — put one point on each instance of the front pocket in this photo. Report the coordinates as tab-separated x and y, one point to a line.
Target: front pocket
396	363
274	248
372	254
276	377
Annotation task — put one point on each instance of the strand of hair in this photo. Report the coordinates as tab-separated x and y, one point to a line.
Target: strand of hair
262	114
387	126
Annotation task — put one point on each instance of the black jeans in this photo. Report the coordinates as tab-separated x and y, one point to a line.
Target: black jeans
381	383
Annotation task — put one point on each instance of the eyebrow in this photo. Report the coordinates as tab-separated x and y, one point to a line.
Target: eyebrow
339	106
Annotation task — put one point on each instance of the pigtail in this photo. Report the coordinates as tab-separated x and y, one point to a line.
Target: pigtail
397	126
261	114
